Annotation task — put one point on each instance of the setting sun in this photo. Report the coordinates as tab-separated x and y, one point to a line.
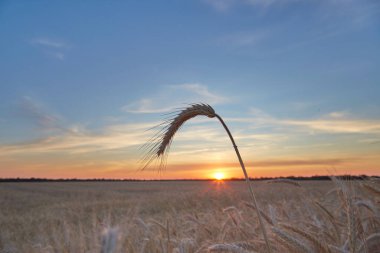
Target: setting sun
219	175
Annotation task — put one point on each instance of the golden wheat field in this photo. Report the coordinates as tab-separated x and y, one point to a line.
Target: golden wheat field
189	216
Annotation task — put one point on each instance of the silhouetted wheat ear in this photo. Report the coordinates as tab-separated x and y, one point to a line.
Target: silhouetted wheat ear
158	146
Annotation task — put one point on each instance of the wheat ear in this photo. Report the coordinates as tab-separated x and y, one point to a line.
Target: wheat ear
291	242
158	147
371	243
319	247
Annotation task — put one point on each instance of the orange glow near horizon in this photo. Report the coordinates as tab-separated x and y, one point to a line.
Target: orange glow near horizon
219	176
219	170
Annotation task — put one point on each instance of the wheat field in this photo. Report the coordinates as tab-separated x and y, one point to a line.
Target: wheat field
189	216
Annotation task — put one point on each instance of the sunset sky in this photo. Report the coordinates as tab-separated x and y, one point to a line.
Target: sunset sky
297	82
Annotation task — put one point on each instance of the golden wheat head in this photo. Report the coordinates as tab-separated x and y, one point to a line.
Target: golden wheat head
158	146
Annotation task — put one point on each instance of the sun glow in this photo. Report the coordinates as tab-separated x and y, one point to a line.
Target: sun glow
219	176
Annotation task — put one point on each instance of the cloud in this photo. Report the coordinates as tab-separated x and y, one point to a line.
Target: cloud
173	96
49	43
260	114
373	141
266	3
111	138
335	16
263	163
346	6
57	55
46	121
334	122
30	109
202	91
145	105
244	38
356	12
298	162
220	5
116	140
54	48
61	137
224	5
338	125
261	137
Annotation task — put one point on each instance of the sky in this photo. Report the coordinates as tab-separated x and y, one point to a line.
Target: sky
83	82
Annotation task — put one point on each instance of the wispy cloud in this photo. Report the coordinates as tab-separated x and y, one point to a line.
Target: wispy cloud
334	122
202	91
264	163
224	5
117	142
330	19
49	43
54	48
338	125
220	5
245	39
57	55
145	105
348	6
356	12
62	137
266	3
111	138
173	96
34	111
46	121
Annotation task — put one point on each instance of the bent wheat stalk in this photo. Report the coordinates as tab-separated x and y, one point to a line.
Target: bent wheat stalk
158	147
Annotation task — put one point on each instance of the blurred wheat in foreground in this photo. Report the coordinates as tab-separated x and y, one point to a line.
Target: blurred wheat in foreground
183	217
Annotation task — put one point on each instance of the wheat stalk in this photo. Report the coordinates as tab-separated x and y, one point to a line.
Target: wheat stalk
109	240
372	189
158	147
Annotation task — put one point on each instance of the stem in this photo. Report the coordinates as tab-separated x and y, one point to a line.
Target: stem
248	183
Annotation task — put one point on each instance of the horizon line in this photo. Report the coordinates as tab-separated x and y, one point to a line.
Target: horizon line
315	177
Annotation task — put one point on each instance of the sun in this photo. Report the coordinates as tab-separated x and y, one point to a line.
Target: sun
219	176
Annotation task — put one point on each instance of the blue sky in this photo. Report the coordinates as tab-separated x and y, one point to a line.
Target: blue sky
298	81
